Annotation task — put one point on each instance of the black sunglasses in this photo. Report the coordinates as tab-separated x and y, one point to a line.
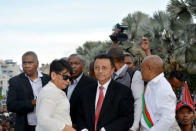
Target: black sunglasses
65	77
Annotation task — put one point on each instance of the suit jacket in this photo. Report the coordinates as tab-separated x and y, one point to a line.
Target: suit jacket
117	109
20	95
83	83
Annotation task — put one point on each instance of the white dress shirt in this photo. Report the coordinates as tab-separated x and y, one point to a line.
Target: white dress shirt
36	87
137	87
161	103
53	109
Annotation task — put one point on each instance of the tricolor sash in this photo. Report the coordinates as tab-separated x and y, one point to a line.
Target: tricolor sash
145	112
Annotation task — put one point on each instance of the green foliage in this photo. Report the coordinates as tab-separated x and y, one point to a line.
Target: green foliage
90	49
171	34
1	96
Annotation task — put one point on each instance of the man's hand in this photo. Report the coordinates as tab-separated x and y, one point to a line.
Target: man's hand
68	128
33	102
115	34
145	46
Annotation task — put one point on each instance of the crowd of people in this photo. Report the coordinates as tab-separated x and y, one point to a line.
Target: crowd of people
116	96
7	119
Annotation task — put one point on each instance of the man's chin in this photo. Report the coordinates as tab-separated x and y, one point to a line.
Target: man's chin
28	73
74	76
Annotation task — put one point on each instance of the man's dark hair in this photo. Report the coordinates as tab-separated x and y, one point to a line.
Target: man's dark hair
59	65
105	56
116	53
176	74
129	55
30	53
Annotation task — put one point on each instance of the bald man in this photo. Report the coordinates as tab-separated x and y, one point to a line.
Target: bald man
159	100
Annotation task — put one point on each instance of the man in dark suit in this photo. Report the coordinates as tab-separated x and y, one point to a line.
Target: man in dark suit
80	81
23	90
105	105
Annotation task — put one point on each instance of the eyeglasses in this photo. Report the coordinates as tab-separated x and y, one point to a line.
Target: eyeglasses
65	77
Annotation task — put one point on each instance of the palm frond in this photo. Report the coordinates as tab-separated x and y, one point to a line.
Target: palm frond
180	11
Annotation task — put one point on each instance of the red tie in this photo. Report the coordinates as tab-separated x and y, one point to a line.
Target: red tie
99	104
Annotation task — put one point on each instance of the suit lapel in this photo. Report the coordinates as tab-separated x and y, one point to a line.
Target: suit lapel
91	102
75	91
28	86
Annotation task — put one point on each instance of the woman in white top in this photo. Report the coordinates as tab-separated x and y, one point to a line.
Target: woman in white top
53	108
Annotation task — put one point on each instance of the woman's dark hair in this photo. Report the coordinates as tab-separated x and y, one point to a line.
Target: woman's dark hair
59	65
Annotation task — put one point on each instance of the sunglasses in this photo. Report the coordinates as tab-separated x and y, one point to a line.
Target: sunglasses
65	77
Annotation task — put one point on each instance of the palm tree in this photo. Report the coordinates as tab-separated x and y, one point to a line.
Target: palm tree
135	23
181	10
184	11
90	49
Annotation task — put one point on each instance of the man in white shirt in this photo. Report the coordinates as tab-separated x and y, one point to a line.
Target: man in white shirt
159	100
131	78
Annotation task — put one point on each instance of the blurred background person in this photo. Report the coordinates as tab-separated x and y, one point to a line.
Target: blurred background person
53	107
129	60
185	116
91	70
176	79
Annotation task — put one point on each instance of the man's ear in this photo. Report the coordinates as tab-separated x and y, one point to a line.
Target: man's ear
149	68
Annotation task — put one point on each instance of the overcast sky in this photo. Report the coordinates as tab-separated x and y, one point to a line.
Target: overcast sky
55	28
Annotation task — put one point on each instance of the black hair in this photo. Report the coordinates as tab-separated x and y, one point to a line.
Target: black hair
129	55
30	53
105	56
176	74
116	53
59	65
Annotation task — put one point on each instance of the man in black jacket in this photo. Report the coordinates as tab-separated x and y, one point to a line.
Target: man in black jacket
80	81
106	105
23	91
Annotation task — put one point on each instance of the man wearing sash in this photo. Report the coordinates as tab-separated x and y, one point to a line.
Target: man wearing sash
159	100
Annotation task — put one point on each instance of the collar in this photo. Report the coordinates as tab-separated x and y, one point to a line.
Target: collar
118	72
105	86
39	74
157	78
78	79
